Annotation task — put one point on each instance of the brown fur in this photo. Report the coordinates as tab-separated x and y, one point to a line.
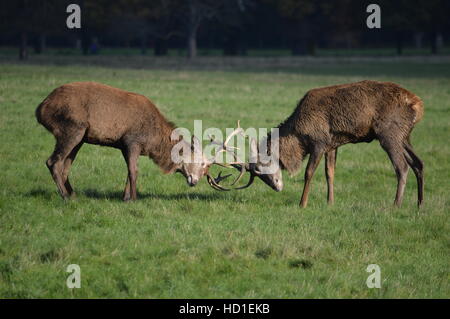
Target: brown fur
94	113
329	117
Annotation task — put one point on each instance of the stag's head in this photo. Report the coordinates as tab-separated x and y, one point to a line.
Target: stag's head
269	171
193	164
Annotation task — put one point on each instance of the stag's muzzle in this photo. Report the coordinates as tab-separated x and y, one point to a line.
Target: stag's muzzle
192	181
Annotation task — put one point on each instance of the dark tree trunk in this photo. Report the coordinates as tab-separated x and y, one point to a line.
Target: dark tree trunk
234	42
85	43
311	47
230	45
161	47
40	44
143	46
399	42
192	43
23	49
43	42
434	47
299	47
84	34
37	47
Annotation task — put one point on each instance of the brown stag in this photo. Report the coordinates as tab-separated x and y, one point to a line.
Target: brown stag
329	117
94	113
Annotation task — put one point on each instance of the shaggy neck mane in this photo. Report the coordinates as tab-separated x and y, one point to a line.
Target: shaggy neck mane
291	148
161	153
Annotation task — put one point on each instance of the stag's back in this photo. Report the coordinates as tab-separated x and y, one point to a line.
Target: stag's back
107	113
354	112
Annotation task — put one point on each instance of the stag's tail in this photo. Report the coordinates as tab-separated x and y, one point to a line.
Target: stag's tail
38	113
416	104
42	115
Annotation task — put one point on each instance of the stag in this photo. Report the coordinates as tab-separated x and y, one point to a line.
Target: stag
94	113
329	117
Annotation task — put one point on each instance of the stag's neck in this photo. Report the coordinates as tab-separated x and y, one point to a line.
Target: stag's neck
161	147
292	149
292	152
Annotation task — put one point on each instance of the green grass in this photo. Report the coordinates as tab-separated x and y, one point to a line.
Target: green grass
176	241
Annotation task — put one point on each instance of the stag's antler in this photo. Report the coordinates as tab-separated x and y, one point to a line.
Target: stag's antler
250	167
243	168
224	147
214	182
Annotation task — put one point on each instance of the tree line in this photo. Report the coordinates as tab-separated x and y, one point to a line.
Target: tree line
231	25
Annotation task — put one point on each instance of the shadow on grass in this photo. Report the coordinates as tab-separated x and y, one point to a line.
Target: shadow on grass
39	193
117	196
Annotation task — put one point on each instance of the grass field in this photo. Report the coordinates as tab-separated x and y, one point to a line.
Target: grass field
176	241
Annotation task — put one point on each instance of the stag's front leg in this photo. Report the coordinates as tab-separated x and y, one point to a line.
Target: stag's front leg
126	192
330	165
131	155
313	162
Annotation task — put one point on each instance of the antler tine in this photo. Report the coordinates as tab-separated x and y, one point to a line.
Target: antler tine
214	182
242	172
224	146
250	182
238	130
229	137
220	178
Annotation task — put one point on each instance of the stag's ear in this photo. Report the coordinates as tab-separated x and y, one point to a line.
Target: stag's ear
195	143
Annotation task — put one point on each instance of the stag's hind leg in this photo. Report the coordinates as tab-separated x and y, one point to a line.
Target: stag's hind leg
330	165
416	165
394	149
65	143
67	164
